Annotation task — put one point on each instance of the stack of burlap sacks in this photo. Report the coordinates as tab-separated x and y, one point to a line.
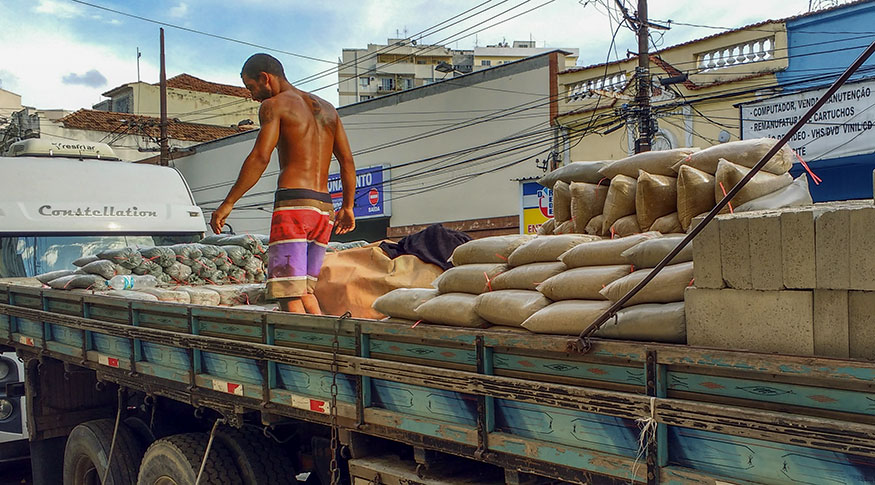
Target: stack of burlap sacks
664	190
554	285
797	281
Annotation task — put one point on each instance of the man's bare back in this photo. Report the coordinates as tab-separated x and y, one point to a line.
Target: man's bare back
308	125
306	131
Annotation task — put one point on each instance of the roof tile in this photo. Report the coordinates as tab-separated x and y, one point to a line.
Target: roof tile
86	119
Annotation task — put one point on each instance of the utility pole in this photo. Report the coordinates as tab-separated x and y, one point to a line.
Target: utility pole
642	72
165	155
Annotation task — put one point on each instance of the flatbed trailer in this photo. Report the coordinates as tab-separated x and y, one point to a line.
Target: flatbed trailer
435	404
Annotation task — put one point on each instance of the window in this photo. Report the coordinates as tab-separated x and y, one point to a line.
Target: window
364	97
122	104
388	84
364	81
32	255
485	63
420	61
408	83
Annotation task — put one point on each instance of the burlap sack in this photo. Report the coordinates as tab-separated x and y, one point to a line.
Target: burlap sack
655	196
793	195
566	227
547	227
648	254
566	317
495	249
595	225
561	202
583	283
527	277
85	260
198	295
470	278
587	201
245	294
657	163
509	307
166	294
352	279
53	275
604	252
546	249
575	172
667	224
668	286
620	201
745	153
81	281
761	184
402	303
695	194
650	322
456	309
625	226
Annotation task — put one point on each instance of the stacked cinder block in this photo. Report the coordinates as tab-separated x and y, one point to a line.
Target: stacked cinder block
798	281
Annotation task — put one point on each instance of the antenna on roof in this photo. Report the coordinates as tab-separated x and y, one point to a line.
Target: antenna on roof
139	54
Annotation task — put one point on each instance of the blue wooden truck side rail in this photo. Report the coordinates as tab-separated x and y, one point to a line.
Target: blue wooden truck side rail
509	398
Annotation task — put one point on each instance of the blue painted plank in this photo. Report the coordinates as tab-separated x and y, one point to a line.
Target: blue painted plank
163	372
166	356
436	404
109	345
424	351
29	327
289	337
66	335
315	383
578	429
775	392
236	369
571	368
763	461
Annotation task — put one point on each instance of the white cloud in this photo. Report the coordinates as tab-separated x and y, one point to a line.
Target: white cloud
179	11
58	9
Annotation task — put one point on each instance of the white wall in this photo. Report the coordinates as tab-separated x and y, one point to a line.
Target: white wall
405	116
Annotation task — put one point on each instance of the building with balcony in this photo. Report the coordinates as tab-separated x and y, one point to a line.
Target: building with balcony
403	64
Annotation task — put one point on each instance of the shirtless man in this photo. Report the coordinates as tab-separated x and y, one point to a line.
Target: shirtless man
306	131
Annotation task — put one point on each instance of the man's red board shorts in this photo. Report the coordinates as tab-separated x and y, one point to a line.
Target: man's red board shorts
299	232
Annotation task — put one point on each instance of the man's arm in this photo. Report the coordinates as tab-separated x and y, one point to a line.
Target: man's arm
345	221
254	165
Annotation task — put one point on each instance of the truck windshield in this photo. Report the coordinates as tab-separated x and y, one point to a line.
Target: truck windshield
27	256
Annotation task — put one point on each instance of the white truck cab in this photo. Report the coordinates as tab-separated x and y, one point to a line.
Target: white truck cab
62	201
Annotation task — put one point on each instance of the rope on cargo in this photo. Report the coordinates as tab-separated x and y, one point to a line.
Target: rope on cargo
582	344
648	426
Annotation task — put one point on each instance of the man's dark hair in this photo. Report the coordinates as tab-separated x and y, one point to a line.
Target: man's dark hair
262	63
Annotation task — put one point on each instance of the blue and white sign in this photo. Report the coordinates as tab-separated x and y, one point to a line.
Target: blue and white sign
370	201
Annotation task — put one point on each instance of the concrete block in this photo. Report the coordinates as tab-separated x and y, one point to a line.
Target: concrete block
832	239
861	324
862	248
798	249
760	321
706	256
735	252
766	272
831	323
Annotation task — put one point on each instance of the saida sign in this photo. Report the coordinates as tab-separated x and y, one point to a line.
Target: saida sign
536	206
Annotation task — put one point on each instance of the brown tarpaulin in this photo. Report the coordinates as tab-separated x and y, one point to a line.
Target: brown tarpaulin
352	279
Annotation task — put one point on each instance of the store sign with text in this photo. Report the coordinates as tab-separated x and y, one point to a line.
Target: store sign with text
841	127
536	206
370	196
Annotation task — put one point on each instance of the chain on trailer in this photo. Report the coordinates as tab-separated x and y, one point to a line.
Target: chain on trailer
334	469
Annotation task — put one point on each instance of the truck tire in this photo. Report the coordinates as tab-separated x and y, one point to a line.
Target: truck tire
259	459
87	452
178	458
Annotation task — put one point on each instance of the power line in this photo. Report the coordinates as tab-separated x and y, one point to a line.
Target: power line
216	36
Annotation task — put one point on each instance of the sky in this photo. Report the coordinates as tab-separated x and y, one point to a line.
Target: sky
64	54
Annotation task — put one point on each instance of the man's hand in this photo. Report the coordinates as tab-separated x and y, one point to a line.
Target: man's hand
344	221
217	221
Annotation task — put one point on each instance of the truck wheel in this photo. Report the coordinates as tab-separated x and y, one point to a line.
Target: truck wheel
87	451
176	460
259	459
